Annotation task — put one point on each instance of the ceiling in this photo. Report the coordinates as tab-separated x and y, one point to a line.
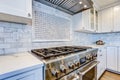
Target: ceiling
100	4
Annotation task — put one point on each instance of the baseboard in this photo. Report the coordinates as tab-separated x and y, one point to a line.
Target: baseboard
116	72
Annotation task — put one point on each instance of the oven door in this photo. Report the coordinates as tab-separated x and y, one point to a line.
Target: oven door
89	71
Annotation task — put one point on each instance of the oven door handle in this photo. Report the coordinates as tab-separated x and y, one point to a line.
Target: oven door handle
88	67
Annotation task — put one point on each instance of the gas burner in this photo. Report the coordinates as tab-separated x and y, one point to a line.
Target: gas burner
70	49
46	53
58	51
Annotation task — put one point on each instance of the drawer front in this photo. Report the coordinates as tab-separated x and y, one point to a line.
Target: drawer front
31	75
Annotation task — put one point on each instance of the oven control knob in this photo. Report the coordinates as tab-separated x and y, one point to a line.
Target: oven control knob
95	54
71	65
91	57
78	73
63	68
77	64
55	72
88	57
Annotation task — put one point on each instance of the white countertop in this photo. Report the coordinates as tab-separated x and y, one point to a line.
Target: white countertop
100	46
9	63
96	46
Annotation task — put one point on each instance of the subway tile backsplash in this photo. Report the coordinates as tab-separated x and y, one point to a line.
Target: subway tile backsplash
1	51
14	37
108	38
81	38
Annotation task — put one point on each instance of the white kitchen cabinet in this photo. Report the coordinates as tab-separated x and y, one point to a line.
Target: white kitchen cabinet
109	19
101	67
16	11
36	74
116	18
77	22
31	73
85	21
99	29
106	20
112	58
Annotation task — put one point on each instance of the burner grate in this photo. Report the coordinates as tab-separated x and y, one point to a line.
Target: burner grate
58	51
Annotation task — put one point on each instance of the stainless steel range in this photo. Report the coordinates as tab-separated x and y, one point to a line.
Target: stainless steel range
68	62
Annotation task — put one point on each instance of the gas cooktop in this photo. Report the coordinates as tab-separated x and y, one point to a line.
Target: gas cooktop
65	62
58	51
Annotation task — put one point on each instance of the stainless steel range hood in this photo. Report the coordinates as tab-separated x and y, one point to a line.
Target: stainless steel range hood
69	6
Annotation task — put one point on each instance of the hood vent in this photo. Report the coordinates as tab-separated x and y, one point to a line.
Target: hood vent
69	6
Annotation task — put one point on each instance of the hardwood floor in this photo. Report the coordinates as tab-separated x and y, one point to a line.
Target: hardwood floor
110	76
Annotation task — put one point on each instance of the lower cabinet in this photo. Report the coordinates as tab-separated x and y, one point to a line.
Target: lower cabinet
32	73
112	58
102	59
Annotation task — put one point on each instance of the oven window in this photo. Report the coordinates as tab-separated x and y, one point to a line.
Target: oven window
90	75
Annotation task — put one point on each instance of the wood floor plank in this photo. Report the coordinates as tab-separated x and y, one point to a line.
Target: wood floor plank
110	76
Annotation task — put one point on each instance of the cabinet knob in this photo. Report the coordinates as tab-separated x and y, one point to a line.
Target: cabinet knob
83	28
63	68
29	15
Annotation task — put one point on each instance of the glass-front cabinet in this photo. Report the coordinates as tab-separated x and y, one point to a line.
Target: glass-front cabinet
86	21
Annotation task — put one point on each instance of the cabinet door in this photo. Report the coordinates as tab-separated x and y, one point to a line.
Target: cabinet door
19	11
112	58
99	22
102	59
105	58
107	20
86	19
77	22
32	75
117	18
21	8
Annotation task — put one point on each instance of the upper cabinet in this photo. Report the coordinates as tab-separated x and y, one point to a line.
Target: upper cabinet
106	20
109	19
85	21
16	11
116	18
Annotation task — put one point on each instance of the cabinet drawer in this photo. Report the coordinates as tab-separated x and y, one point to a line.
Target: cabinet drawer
31	75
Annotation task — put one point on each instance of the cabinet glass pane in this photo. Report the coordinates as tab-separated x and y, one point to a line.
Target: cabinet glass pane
92	18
